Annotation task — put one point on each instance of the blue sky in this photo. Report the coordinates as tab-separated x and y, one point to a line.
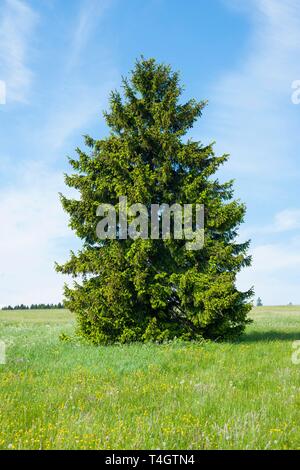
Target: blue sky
59	60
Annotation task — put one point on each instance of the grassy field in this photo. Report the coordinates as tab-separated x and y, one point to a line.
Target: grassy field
57	395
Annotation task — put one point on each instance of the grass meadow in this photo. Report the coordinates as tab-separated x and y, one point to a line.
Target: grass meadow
71	395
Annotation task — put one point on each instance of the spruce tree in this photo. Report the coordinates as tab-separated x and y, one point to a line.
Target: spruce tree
140	290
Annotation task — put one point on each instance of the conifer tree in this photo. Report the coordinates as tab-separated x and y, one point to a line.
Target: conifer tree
143	289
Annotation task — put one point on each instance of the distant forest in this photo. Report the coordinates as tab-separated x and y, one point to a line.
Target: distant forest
33	306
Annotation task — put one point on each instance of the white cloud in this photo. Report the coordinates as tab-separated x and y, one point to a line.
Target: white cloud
286	220
275	270
17	21
256	122
271	257
34	234
275	273
252	111
35	229
72	113
79	97
90	13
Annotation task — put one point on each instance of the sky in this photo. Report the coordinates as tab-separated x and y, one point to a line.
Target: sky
59	61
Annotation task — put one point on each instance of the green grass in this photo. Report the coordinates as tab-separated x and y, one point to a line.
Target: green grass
57	395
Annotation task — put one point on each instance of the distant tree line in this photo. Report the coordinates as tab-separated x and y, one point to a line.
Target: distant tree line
34	307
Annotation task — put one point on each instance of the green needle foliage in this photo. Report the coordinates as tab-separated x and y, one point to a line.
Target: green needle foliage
154	290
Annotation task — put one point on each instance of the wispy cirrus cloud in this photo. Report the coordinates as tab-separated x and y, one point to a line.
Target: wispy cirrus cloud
89	15
287	220
257	123
34	235
17	22
72	113
252	109
275	272
82	96
36	228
